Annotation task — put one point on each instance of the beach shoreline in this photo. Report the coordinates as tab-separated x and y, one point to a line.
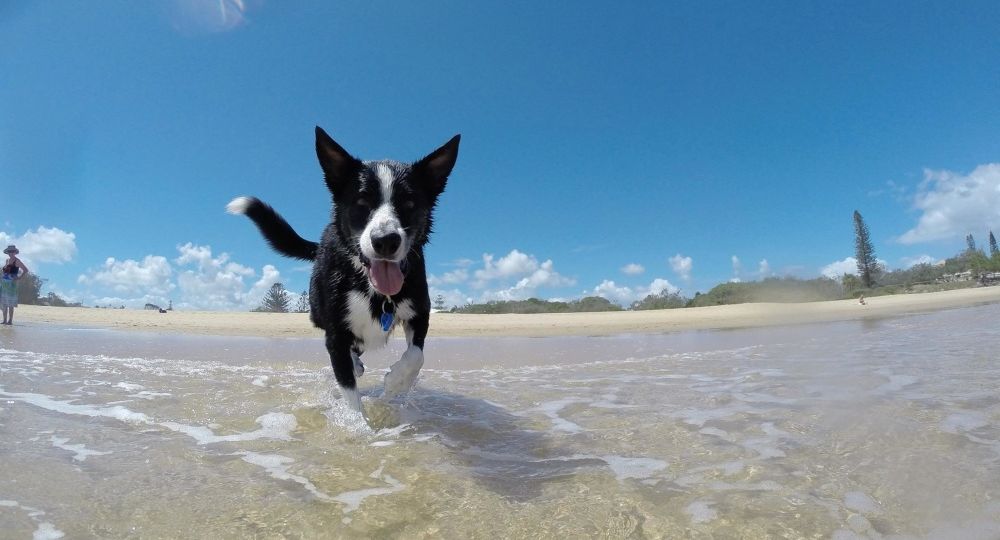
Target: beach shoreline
297	325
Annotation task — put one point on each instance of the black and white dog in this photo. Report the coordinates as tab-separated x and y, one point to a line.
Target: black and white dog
368	275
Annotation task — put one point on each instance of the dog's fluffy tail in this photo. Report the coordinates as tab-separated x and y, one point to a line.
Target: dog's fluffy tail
278	233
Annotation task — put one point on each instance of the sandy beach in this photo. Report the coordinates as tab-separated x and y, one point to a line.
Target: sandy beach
539	325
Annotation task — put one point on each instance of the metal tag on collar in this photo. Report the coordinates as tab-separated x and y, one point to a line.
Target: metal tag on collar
388	315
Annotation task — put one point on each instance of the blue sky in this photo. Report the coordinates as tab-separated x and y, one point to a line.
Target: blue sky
607	148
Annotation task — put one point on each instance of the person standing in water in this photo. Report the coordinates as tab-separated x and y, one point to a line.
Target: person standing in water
13	270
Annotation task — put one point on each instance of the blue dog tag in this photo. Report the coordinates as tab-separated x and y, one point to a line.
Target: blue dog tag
386	321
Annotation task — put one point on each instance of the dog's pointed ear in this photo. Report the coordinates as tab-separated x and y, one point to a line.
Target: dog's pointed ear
438	164
337	164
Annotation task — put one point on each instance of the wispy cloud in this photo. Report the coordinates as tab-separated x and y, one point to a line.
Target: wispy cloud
764	269
953	205
210	16
633	269
624	295
681	266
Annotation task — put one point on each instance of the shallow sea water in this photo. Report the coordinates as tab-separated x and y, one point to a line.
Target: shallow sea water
868	429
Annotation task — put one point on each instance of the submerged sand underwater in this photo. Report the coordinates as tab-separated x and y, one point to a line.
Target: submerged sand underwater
858	429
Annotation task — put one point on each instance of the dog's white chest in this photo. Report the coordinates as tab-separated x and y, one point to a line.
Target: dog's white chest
367	329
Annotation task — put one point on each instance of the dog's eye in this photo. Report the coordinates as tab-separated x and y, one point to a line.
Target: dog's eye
409	205
362	203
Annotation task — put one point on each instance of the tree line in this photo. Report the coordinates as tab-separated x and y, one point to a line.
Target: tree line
872	279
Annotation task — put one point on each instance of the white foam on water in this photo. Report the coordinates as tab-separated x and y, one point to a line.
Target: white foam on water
716	432
768	427
701	511
80	452
147	395
260	381
552	408
639	468
765	448
609	401
896	383
352	499
765	485
130	387
272	426
860	502
626	467
45	530
964	421
341	415
277	467
758	397
698	417
43	401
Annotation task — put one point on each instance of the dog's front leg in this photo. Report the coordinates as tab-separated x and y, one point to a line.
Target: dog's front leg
338	344
404	372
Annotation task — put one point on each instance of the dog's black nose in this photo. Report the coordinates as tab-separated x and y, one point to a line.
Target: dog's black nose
386	245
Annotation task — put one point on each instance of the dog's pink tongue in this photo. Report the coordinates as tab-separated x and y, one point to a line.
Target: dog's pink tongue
386	277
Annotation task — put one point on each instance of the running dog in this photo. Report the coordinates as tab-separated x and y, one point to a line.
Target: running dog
368	268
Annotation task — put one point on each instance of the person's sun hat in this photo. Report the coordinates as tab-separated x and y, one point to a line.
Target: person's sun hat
11	250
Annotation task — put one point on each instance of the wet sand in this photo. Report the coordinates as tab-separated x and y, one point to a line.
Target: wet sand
540	325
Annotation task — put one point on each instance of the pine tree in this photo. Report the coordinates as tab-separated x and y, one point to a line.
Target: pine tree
994	251
971	242
864	252
275	300
439	302
303	304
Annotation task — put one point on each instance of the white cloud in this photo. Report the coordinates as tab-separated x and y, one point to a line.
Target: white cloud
764	269
633	269
516	276
910	262
150	277
208	17
624	296
512	264
43	245
460	275
215	282
953	205
837	269
848	265
681	266
451	297
196	279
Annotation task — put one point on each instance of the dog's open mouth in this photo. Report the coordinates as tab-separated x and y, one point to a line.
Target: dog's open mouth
385	276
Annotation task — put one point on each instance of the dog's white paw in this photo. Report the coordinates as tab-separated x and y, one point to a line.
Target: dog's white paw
359	366
352	398
403	373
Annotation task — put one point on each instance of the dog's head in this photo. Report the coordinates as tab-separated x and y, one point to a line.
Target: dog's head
383	209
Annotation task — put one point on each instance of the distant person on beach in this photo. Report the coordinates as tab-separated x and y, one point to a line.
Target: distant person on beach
861	300
13	270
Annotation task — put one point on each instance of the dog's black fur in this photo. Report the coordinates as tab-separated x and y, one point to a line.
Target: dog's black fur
341	279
